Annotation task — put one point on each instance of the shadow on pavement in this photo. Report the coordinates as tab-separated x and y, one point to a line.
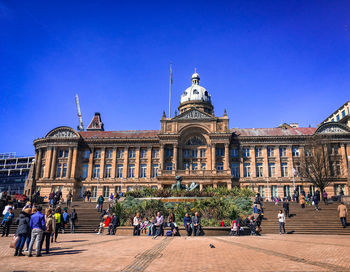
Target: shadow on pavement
68	252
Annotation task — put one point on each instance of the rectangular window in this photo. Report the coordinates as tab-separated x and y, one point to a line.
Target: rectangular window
64	170
168	152
97	154
246	152
86	154
154	170
295	151
337	169
261	190
155	153
270	151
186	153
286	190
169	166
143	169
108	170
96	171
235	170
246	170
203	166
109	153
194	166
85	171
307	152
338	117
105	191
259	170
131	171
284	169
58	174
343	113
234	152
117	189
66	153
119	171
194	153
42	171
258	152
120	153
220	152
60	153
132	153
94	191
274	191
220	166
283	151
143	153
202	153
272	170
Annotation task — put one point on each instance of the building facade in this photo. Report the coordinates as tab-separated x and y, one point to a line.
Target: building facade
195	144
14	171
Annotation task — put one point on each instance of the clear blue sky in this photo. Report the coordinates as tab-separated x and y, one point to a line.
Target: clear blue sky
266	62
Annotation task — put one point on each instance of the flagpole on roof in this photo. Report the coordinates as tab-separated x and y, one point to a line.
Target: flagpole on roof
170	83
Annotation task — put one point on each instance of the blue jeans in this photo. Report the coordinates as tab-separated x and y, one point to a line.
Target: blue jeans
20	242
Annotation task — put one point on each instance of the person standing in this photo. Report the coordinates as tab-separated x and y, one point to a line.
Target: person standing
302	201
187	224
69	199
137	223
281	221
315	200
59	221
325	197
37	224
50	230
23	230
100	201
196	224
73	218
286	207
343	213
6	222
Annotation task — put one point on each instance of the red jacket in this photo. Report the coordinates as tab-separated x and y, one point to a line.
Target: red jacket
107	221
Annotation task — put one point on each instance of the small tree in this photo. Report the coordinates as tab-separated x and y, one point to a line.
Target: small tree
314	164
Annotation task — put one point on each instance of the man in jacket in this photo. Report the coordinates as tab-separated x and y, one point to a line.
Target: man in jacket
37	224
343	212
196	223
113	225
6	222
100	201
286	207
187	224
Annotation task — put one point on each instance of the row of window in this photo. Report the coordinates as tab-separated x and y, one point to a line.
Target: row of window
120	153
337	117
259	170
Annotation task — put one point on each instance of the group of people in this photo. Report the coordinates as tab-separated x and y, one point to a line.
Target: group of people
56	198
109	221
34	227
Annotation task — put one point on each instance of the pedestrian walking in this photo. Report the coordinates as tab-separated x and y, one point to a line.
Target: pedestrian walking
100	201
7	222
59	221
73	219
23	230
286	207
281	221
325	197
302	201
343	213
69	199
315	201
50	224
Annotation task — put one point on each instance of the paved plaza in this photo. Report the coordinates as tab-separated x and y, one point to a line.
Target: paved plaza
89	252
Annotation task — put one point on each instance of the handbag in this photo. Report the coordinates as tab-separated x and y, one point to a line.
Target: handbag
14	242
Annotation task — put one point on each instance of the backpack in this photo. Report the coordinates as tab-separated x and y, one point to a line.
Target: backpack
169	233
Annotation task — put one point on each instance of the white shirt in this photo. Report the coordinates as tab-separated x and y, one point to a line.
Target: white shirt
281	217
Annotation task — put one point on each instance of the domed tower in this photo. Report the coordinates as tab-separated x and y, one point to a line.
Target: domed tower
196	96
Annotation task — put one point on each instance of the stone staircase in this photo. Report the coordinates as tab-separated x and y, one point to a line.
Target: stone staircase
305	221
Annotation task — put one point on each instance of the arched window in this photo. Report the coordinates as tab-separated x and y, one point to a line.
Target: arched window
206	93
195	91
194	141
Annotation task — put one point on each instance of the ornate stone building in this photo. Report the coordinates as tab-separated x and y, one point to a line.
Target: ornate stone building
195	144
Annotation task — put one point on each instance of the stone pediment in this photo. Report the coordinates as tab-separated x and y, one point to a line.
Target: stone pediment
62	132
194	114
332	128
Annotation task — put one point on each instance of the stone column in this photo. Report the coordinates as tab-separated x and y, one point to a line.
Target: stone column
125	164
74	162
208	156
137	163
53	164
69	164
343	163
161	157
149	163
348	161
181	159
252	162
102	163
213	156
278	161
290	161
48	162
266	162
91	163
227	158
38	164
114	162
175	156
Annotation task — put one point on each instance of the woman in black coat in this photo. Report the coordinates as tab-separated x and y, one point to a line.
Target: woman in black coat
23	230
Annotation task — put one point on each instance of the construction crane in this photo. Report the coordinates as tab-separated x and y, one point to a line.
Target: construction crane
81	124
